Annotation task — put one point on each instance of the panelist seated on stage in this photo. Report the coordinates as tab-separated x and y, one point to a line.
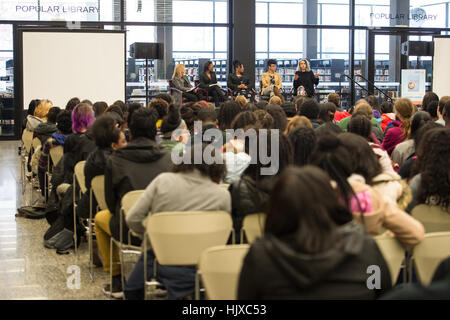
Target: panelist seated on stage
238	82
181	82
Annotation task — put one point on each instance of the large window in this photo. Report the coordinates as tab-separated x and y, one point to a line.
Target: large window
279	12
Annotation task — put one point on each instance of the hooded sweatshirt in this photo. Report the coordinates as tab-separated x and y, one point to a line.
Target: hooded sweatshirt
274	269
32	122
45	130
132	168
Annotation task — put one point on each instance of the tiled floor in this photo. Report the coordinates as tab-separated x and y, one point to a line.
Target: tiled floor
27	269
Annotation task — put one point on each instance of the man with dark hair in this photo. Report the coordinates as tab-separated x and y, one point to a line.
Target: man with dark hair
310	109
130	168
271	81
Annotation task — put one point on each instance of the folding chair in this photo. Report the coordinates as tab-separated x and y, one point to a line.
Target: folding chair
433	218
127	202
179	238
253	226
219	268
27	139
55	155
429	254
78	176
393	253
97	190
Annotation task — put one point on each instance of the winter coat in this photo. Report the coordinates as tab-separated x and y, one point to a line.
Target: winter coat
45	130
77	147
378	212
393	136
274	269
132	168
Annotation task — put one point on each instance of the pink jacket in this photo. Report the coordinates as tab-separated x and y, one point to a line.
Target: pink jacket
379	212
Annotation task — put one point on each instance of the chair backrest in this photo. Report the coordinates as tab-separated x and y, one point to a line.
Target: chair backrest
225	185
429	254
393	253
79	174
220	268
170	83
253	226
179	238
98	187
56	153
433	218
27	139
129	199
36	143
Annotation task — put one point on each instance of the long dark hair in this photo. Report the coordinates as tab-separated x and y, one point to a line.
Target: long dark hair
206	65
433	161
311	214
333	157
364	161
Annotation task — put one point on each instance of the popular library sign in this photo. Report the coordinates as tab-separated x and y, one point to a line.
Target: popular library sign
416	16
57	9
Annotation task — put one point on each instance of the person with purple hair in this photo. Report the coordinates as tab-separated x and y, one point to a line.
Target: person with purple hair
78	145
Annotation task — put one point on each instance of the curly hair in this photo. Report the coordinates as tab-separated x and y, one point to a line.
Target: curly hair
433	160
160	105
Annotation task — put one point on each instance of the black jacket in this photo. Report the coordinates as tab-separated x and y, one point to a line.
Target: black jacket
274	270
95	166
77	147
205	81
307	80
132	168
234	81
249	197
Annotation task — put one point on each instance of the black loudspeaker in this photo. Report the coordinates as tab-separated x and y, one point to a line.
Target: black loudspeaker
146	50
417	48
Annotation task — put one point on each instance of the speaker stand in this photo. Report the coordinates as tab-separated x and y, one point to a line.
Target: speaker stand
147	97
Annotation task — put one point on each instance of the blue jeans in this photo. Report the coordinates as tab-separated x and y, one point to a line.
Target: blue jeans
179	281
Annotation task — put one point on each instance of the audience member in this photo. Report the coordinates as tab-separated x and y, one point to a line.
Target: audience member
303	141
130	168
189	187
311	249
399	130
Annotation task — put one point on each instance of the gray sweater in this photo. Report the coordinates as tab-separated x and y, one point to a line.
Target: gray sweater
178	192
